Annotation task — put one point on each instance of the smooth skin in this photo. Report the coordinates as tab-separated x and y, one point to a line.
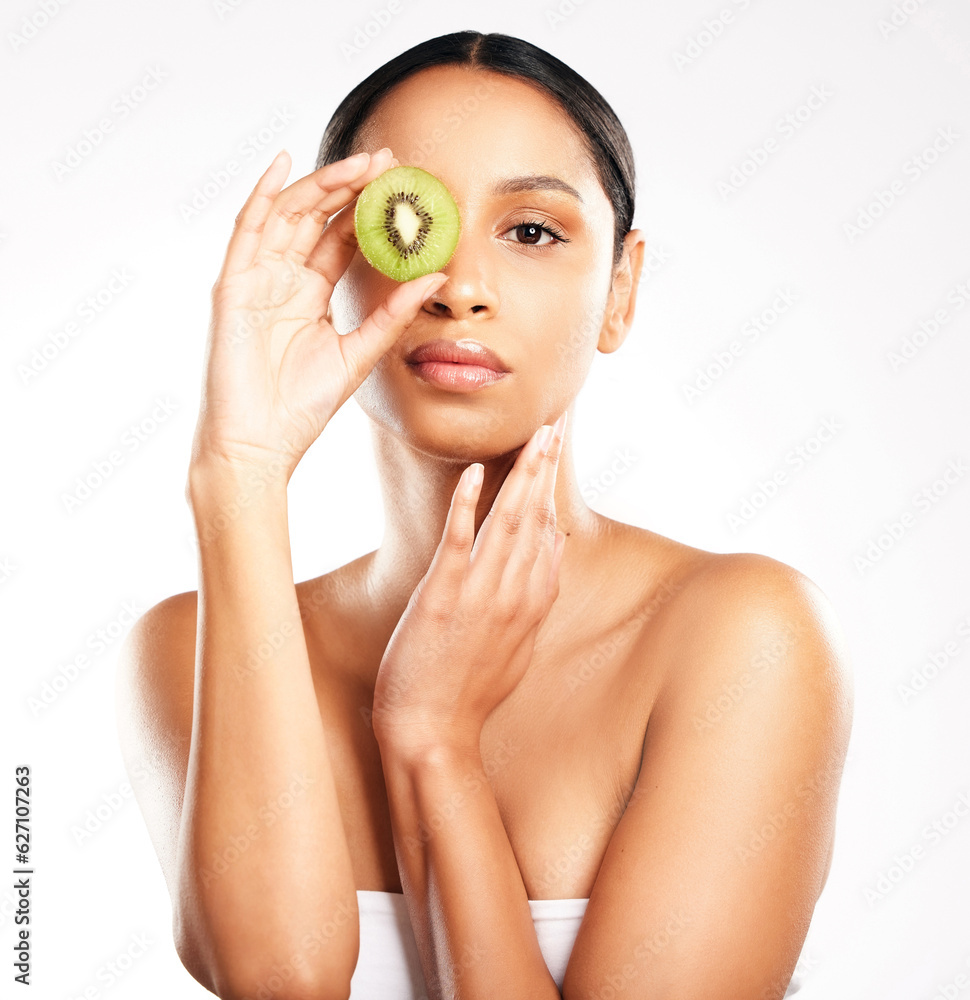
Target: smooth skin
513	697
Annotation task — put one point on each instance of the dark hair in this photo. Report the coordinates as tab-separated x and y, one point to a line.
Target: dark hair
606	138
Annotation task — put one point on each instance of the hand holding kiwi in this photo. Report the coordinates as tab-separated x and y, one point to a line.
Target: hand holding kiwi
276	370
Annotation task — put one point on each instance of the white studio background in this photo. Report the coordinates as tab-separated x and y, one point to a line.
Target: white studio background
801	166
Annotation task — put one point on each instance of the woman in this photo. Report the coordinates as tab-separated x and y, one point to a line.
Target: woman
515	710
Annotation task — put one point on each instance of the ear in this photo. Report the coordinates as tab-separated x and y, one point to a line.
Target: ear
622	301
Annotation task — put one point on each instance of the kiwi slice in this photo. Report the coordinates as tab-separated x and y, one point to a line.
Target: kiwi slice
407	223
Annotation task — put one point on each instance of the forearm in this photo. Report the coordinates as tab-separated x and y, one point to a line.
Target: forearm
264	865
466	899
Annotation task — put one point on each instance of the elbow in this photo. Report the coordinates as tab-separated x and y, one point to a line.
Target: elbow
272	984
232	976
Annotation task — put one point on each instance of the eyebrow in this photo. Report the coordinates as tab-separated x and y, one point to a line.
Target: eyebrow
535	182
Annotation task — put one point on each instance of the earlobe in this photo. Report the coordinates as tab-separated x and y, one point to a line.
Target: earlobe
621	305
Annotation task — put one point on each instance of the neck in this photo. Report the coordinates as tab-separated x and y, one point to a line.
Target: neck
417	490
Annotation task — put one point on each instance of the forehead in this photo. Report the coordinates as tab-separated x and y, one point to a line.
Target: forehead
449	119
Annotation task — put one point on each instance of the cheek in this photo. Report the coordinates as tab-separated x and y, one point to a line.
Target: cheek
355	296
571	321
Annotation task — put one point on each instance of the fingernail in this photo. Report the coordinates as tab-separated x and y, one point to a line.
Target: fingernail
545	439
383	149
433	286
560	426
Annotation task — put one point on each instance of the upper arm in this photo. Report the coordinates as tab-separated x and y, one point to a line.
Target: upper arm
155	690
709	881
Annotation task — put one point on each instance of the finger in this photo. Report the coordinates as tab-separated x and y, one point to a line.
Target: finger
361	348
507	518
451	558
300	211
537	538
251	219
552	582
337	244
336	247
545	576
309	229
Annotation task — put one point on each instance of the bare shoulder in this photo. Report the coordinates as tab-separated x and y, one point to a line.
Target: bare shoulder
154	694
721	619
743	599
748	637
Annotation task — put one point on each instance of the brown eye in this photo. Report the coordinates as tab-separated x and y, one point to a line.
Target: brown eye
529	233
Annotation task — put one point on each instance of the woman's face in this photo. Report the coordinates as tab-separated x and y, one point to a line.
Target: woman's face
513	160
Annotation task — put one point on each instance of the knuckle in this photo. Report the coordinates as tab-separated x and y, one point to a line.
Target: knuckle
288	215
458	543
544	513
511	521
506	610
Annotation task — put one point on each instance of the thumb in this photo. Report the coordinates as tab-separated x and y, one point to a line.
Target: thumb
361	348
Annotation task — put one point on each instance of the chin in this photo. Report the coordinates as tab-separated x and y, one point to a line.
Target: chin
449	427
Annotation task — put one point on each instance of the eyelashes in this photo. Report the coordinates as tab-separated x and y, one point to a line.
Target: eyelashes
539	226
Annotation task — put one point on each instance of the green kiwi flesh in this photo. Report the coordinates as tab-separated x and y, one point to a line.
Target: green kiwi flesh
407	223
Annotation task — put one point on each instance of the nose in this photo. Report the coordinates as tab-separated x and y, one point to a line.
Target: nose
469	293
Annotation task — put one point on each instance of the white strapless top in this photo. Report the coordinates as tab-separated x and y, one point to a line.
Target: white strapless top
389	967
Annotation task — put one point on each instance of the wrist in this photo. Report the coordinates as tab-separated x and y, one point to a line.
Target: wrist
421	743
216	478
221	495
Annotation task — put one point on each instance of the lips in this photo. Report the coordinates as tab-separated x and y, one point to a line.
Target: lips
460	352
